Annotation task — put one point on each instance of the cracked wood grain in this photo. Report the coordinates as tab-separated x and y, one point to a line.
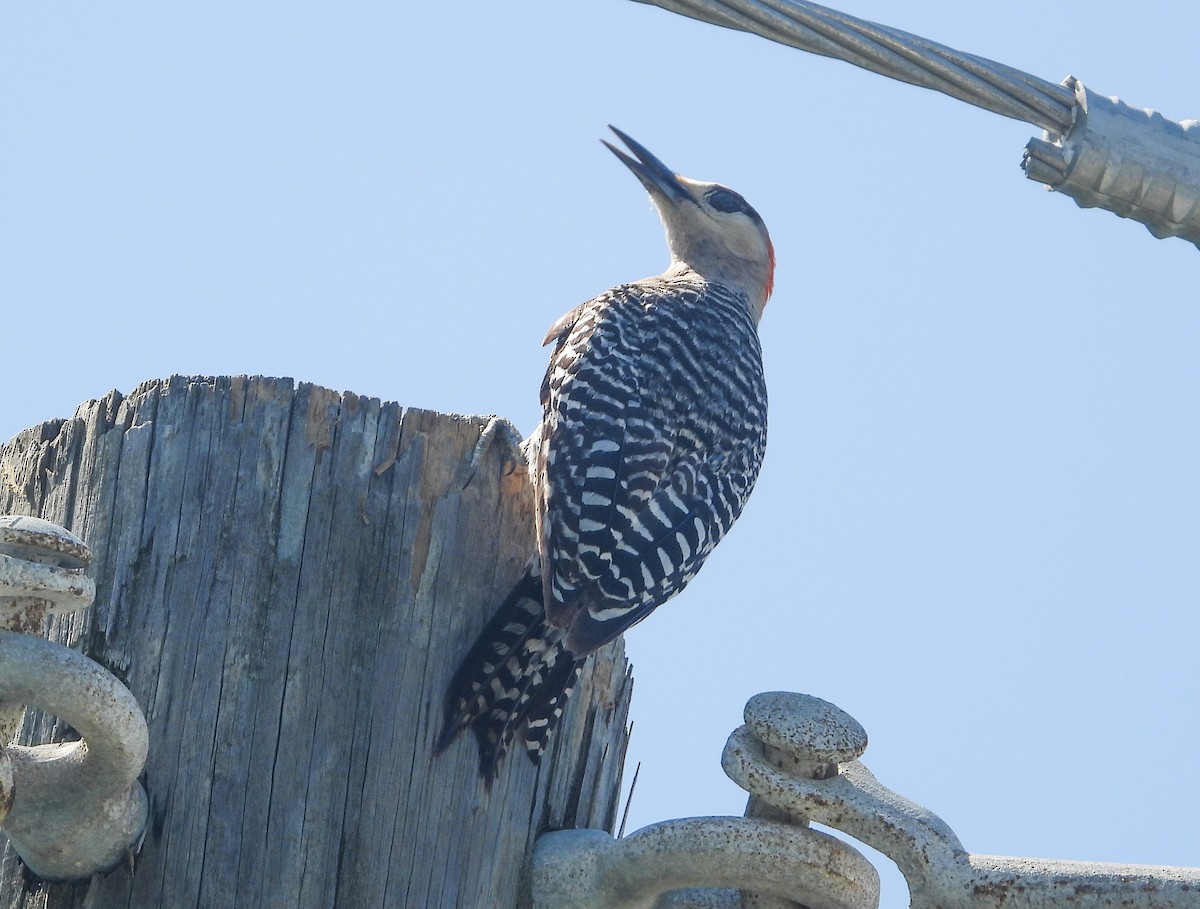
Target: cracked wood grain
286	579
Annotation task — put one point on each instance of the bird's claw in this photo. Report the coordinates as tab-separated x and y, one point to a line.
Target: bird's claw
514	453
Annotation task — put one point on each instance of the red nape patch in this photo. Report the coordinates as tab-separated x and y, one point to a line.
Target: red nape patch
770	274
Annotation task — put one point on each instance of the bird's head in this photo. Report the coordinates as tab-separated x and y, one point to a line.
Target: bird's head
711	229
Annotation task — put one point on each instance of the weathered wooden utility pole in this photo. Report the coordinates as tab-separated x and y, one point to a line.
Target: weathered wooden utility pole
286	578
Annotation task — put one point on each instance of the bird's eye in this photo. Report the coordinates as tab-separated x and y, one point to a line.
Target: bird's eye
726	200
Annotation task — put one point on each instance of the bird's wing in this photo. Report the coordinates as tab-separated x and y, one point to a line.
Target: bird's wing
648	452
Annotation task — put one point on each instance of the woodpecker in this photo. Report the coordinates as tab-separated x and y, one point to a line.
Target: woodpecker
653	431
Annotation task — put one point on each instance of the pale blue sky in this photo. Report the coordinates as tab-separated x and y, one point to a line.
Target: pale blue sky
977	528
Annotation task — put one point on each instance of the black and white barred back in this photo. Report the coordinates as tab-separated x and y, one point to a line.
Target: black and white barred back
653	433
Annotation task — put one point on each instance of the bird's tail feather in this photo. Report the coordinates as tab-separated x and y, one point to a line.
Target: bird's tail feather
517	672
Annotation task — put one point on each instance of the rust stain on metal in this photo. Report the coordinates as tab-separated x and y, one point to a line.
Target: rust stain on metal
44	546
26	616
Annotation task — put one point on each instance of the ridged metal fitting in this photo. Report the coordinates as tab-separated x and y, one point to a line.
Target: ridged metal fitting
41	541
42	570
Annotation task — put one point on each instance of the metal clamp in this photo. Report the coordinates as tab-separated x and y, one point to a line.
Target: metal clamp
782	727
70	809
797	756
1133	162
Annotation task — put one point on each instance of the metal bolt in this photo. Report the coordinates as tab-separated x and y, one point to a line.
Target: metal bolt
802	736
42	570
806	735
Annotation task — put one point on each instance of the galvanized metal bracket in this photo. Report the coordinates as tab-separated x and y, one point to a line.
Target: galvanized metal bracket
70	809
797	756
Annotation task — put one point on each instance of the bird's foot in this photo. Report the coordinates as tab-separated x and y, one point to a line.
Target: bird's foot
514	452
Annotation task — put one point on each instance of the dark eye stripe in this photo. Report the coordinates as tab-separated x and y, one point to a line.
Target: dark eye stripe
727	200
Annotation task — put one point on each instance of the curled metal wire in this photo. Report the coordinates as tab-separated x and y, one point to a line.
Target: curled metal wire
891	52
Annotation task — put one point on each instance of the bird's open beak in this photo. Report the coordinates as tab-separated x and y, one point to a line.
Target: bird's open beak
658	179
